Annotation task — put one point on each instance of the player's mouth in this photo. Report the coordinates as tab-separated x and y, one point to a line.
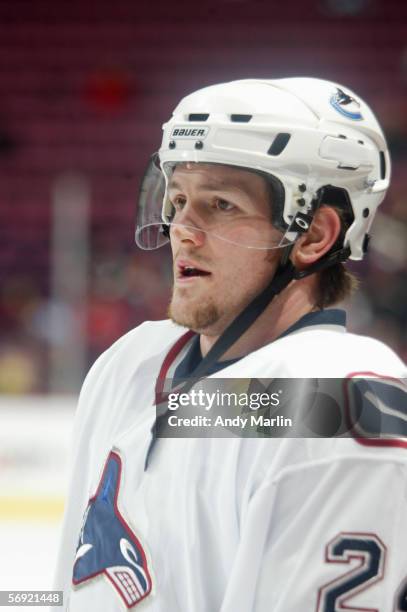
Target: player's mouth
188	271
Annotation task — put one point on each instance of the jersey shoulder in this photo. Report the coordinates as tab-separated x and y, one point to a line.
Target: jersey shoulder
137	355
334	354
139	344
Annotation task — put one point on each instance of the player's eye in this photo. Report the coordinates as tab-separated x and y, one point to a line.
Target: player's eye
224	205
178	203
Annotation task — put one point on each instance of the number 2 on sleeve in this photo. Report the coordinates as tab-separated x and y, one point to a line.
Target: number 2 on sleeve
370	552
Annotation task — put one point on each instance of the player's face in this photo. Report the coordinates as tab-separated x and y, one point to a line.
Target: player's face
215	278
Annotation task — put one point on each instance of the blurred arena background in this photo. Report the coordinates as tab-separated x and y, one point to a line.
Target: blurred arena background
84	90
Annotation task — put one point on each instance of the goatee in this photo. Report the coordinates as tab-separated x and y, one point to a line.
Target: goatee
197	317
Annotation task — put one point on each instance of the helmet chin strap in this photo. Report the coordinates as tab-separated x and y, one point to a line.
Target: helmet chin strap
245	319
284	275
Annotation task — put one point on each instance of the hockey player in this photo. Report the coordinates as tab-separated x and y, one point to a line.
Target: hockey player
263	189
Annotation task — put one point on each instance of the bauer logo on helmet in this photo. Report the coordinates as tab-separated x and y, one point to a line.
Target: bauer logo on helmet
187	132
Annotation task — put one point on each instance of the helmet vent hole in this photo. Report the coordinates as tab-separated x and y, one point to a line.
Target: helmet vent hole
279	144
382	165
198	116
241	118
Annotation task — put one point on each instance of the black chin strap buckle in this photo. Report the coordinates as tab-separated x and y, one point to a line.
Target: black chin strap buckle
301	223
302	220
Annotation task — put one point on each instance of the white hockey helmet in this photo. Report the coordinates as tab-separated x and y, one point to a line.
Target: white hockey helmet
307	135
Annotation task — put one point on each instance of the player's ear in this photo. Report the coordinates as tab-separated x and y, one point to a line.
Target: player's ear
318	240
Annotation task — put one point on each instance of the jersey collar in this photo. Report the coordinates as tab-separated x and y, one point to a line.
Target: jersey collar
332	316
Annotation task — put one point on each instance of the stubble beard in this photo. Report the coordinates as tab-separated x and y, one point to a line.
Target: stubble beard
206	317
198	317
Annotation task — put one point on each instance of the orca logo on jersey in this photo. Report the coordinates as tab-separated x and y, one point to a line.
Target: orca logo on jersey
108	546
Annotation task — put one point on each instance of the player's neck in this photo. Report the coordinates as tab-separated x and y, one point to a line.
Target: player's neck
286	309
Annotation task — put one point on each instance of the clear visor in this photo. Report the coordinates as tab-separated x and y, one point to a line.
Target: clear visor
171	205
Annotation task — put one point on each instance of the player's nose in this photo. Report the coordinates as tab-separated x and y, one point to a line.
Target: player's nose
186	226
187	233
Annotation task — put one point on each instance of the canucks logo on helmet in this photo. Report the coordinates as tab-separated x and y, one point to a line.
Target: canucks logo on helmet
346	105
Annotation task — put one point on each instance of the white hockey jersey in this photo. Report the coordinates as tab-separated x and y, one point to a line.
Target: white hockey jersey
238	524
